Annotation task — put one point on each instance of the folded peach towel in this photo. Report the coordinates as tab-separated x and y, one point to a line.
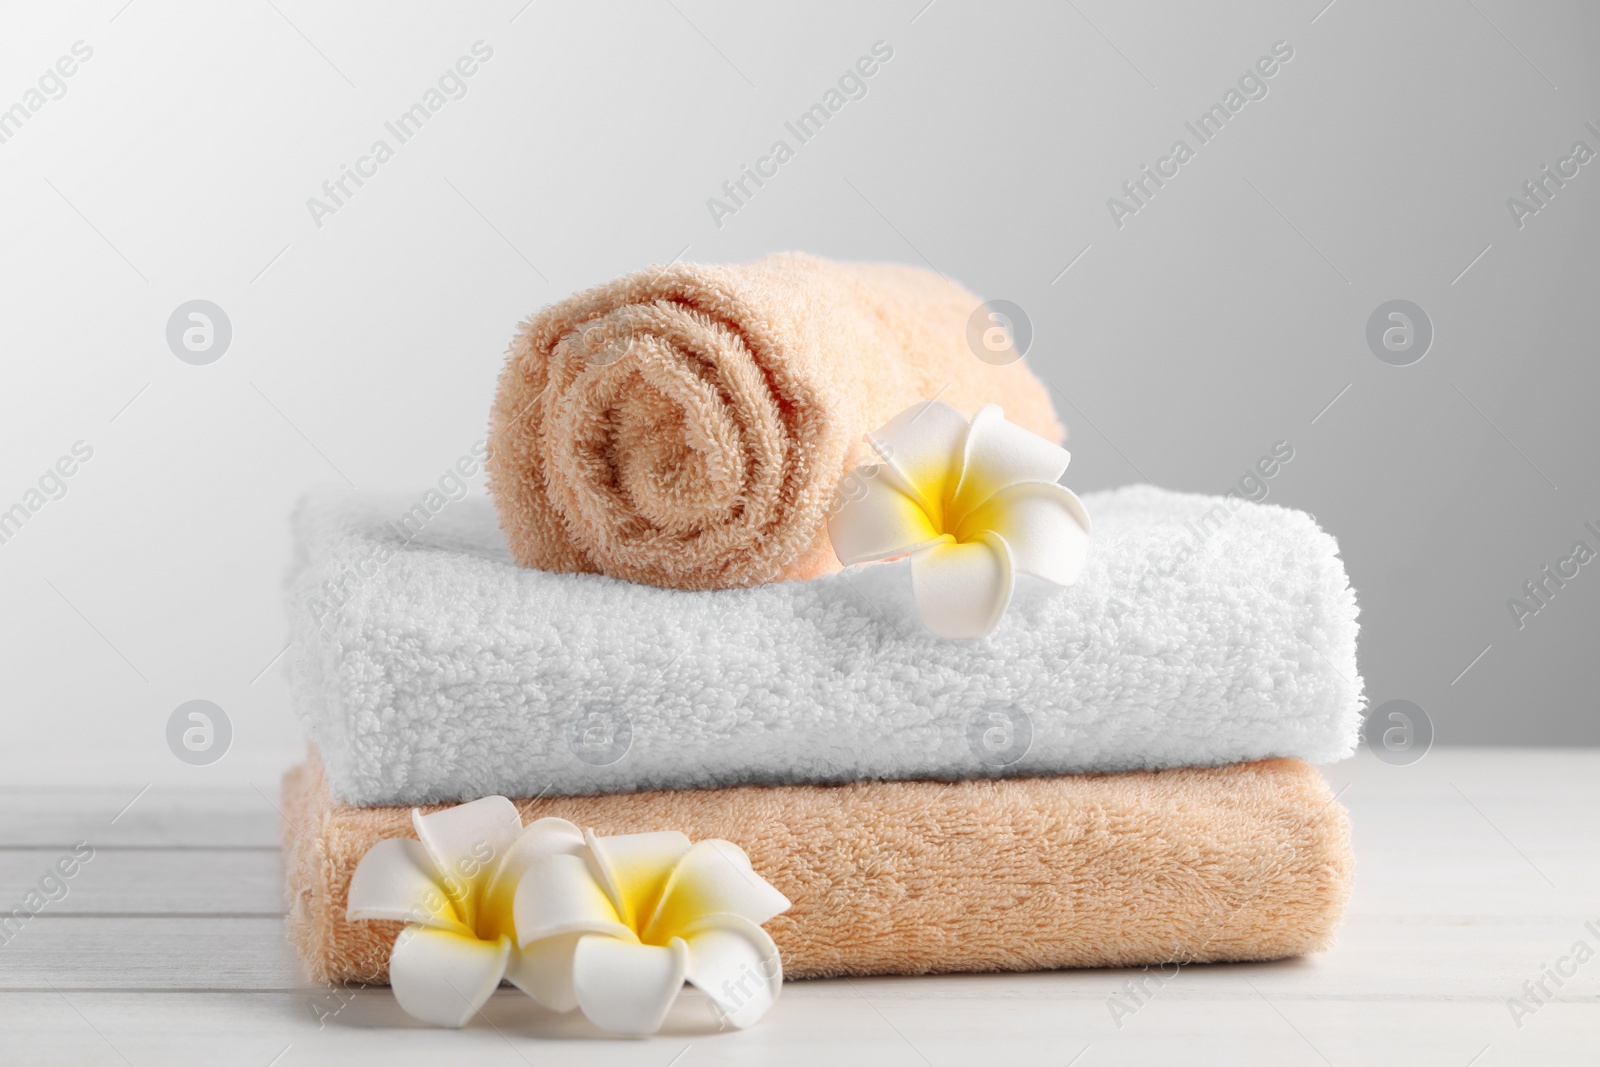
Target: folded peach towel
1245	862
687	426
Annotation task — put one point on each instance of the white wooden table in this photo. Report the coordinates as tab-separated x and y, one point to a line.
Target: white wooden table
1476	869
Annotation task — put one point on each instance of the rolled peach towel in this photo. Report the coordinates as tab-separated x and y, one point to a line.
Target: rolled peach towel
687	426
1245	862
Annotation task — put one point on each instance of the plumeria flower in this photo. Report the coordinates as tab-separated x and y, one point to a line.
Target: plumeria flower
971	504
454	887
612	925
624	921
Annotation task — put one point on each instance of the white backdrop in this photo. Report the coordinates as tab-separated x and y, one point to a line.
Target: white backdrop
1228	313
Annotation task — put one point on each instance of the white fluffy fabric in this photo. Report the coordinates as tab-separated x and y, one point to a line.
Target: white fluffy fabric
428	667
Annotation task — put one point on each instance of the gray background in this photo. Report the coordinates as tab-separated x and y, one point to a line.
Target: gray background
1225	316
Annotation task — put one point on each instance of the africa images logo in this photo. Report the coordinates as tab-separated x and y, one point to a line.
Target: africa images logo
1252	85
452	85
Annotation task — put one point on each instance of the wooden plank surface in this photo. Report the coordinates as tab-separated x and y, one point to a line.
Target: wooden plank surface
147	881
1475	869
843	1028
139	815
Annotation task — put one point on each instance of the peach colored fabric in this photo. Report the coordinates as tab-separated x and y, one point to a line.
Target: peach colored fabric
1246	862
687	426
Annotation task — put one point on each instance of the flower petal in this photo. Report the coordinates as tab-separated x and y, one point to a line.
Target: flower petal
963	589
1044	524
1000	453
921	447
444	978
875	518
548	837
396	880
735	963
634	869
543	970
713	876
625	987
560	895
466	843
543	837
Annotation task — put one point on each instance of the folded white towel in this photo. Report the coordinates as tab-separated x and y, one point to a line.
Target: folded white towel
428	667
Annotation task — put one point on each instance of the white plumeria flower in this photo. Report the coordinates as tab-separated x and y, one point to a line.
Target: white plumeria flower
972	505
454	887
624	921
612	925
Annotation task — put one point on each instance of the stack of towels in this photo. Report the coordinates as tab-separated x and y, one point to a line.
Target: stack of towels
647	630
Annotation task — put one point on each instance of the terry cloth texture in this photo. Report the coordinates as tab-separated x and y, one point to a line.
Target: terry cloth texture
686	426
1248	862
428	667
